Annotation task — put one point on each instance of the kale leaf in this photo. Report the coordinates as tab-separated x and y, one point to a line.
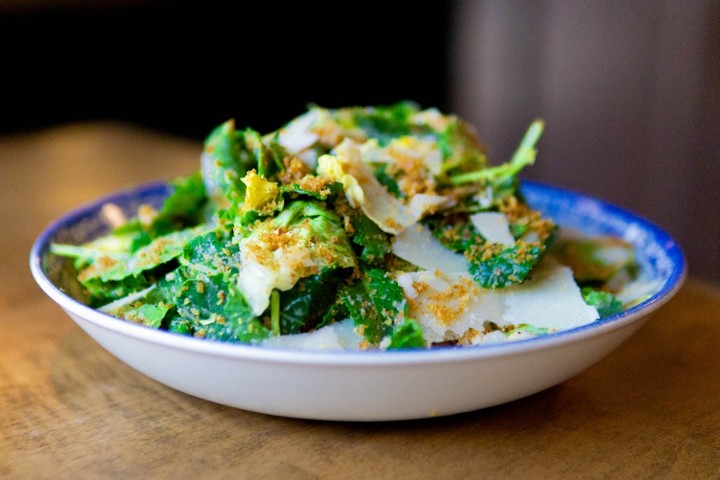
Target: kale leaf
304	307
605	302
373	242
496	265
407	335
376	304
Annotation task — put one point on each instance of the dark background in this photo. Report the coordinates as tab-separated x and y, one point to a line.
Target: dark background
186	68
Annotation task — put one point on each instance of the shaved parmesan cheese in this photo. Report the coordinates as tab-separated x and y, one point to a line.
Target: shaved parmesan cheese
447	306
372	152
348	168
256	283
337	336
423	204
550	299
333	167
404	151
425	152
494	227
363	190
417	245
451	307
432	117
264	267
296	135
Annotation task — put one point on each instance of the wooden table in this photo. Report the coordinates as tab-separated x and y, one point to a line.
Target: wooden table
68	409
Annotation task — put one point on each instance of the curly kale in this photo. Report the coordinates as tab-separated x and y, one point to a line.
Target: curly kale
495	265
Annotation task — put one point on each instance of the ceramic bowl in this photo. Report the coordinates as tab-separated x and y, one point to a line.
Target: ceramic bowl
367	386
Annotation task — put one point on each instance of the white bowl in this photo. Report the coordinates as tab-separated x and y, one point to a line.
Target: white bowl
367	386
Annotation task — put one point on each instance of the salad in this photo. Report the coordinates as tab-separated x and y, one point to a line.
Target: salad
362	227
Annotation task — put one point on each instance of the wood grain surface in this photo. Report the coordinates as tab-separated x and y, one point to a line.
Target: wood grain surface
69	409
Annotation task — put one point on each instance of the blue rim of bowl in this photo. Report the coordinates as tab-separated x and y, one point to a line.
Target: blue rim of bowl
533	189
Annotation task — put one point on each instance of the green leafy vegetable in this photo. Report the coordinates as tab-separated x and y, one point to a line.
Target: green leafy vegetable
504	266
408	335
605	302
496	265
376	304
224	163
385	122
280	235
304	307
523	156
183	208
214	308
374	243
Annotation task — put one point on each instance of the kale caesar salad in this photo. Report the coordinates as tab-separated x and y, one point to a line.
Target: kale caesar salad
353	228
